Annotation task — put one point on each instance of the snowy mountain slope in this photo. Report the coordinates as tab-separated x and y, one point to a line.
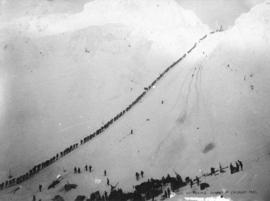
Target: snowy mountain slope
217	97
59	81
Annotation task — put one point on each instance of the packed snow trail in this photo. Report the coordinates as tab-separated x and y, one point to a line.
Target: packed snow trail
14	181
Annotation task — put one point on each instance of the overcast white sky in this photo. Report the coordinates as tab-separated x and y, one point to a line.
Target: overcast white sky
211	12
219	12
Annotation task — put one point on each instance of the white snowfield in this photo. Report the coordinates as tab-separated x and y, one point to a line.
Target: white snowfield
63	76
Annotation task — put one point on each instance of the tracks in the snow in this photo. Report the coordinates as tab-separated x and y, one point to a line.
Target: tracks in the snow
14	181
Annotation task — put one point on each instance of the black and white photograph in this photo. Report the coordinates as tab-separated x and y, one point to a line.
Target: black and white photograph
134	100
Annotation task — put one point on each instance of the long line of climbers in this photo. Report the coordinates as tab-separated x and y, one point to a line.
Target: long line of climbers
146	89
14	181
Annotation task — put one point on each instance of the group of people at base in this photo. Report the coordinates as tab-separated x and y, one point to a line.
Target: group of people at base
149	189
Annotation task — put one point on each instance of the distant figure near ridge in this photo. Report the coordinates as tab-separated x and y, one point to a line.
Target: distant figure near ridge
105	173
142	173
90	168
40	187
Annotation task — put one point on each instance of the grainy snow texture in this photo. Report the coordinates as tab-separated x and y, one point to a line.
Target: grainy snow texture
63	75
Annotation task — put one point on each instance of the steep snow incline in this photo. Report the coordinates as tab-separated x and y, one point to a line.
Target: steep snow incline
213	107
63	76
235	83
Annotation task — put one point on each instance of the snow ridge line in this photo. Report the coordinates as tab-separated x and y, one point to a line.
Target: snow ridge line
18	180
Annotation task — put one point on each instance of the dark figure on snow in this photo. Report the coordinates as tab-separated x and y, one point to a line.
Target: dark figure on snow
108	182
197	180
204	186
232	168
168	178
137	176
142	174
131	131
40	187
165	194
90	168
221	169
169	192
163	180
79	170
191	183
86	167
105	173
75	170
237	168
34	198
187	179
162	102
240	164
213	171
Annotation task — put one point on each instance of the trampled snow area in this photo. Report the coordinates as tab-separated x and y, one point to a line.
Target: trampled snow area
63	76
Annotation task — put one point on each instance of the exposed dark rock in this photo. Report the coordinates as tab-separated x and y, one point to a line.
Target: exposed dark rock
80	198
208	147
68	187
58	198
